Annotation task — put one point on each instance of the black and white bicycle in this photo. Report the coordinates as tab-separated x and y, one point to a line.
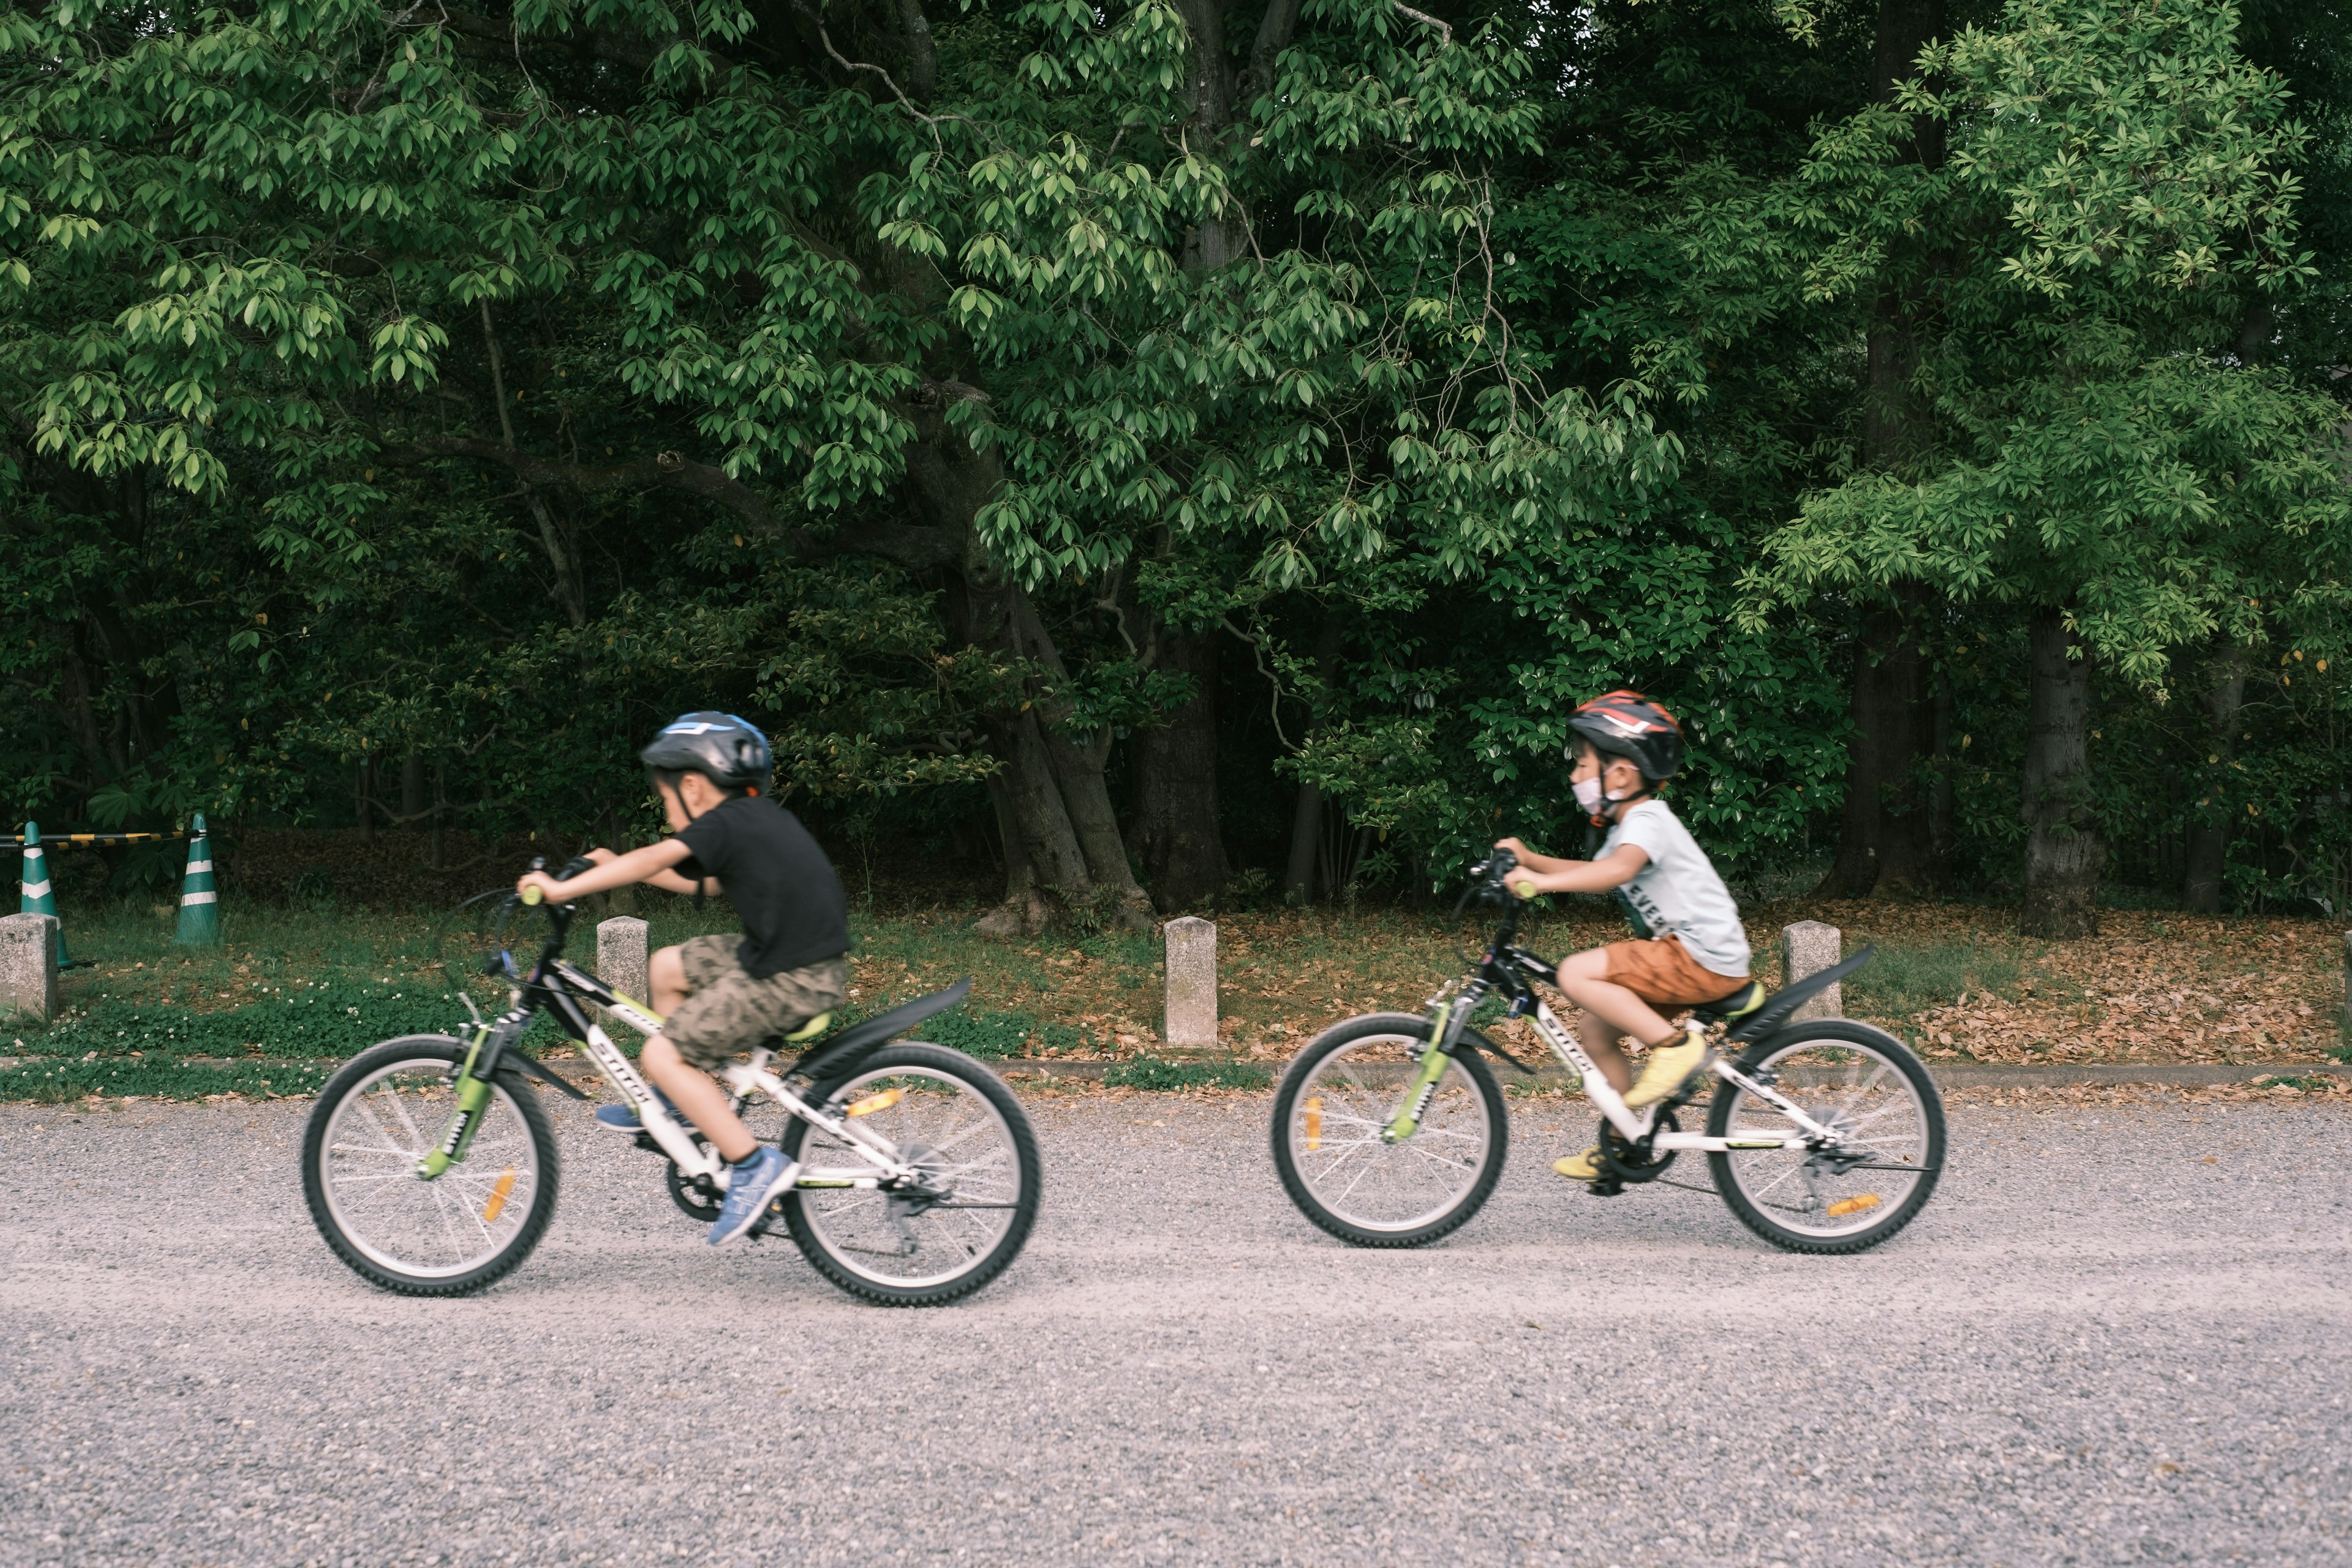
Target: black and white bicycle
1822	1135
430	1165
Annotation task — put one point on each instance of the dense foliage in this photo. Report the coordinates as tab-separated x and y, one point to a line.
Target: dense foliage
1198	445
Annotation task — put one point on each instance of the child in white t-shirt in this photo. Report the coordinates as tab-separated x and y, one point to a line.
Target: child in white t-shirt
1695	952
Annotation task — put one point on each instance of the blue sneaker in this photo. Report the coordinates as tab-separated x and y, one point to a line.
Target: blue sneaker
752	1186
623	1118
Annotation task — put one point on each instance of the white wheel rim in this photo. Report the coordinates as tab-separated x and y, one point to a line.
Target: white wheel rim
396	1219
970	1151
1334	1138
1855	1087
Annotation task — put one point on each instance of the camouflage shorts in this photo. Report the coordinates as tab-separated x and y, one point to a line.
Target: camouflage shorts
727	1012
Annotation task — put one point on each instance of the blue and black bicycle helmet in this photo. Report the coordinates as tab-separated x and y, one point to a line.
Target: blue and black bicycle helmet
730	752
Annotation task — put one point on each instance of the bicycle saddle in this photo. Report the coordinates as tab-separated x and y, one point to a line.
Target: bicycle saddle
1772	1011
846	1049
1738	1005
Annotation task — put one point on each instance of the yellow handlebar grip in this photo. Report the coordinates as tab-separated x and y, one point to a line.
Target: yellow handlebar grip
1524	890
533	895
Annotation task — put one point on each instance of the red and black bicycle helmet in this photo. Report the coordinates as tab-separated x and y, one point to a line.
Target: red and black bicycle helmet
1628	724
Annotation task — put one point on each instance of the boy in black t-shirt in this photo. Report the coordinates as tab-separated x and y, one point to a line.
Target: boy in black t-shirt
721	994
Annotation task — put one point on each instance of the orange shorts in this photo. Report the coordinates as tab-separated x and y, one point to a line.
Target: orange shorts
1660	974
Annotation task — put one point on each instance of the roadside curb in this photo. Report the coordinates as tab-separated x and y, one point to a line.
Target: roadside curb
1948	1074
1971	1075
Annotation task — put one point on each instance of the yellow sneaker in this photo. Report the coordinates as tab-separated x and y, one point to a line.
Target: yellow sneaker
1584	1167
1666	1069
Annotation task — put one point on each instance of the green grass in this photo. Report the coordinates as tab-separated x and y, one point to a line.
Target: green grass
48	1081
1899	981
1151	1072
2310	1083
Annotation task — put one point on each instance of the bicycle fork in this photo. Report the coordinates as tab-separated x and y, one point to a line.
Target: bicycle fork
473	1094
1445	1025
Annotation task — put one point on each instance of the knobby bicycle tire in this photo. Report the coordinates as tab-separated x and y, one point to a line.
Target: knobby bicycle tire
1302	1072
515	1089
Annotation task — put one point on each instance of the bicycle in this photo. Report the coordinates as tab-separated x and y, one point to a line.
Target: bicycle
430	1166
1823	1136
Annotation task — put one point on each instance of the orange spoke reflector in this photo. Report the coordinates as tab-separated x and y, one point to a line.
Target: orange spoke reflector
1314	1122
498	1196
874	1102
1846	1207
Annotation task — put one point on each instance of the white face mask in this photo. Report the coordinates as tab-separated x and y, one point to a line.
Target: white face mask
1587	795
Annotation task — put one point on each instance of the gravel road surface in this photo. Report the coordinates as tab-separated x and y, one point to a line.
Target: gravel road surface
2093	1347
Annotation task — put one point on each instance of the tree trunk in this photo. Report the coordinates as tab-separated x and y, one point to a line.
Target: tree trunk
1939	802
1306	814
1052	783
2209	825
1886	833
363	798
2064	852
1024	910
1220	91
411	790
1175	830
440	811
1885	841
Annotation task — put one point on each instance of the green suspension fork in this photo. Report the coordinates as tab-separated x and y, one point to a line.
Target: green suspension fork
473	1094
1445	1028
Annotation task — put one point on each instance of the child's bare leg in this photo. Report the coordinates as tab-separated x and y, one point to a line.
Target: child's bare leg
693	1092
690	1089
1610	1011
667	976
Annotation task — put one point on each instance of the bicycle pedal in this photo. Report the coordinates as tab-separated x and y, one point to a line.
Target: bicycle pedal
1605	1189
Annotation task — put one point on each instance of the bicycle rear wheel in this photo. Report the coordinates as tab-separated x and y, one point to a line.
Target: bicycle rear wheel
955	1122
461	1232
1859	1081
1338	1096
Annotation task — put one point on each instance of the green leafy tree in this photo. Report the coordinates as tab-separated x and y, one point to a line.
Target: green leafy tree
2116	197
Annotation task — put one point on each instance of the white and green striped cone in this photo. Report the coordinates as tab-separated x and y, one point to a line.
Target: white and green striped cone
199	900
37	897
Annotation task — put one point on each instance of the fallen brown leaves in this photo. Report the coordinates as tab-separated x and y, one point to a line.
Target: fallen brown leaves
2153	986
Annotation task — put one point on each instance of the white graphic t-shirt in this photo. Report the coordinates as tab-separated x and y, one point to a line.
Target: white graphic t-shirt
1678	890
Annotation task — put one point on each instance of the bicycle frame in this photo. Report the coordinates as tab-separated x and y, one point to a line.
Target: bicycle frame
559	986
1512	972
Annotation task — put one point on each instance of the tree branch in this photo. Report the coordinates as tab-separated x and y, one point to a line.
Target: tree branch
1444	33
916	549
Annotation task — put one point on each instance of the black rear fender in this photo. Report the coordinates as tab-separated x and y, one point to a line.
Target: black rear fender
838	1056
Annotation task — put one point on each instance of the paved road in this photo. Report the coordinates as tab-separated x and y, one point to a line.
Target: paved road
2093	1348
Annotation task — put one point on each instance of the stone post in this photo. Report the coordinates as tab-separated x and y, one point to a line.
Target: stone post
1808	947
1192	1018
620	961
29	967
2348	988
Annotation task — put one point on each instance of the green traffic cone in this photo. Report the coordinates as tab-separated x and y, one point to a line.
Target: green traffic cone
38	899
199	901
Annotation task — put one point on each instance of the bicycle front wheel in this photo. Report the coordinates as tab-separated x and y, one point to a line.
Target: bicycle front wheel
467	1228
1336	1100
1861	1083
959	1125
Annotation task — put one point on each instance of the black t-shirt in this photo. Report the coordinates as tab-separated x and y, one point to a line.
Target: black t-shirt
779	882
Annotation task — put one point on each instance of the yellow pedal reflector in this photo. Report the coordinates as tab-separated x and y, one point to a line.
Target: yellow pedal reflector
874	1102
1314	1122
1846	1207
499	1196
